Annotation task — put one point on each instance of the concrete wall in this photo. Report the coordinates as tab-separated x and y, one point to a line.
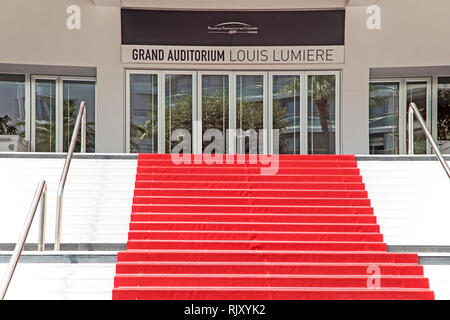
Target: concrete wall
34	32
413	34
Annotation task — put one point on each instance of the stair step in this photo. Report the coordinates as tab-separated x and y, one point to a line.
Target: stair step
282	157
281	164
237	193
209	208
253	217
264	293
255	255
263	280
206	169
254	236
266	185
256	245
259	226
248	178
206	267
246	201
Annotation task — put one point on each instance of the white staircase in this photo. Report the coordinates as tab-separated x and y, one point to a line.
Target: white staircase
411	200
97	198
96	210
61	281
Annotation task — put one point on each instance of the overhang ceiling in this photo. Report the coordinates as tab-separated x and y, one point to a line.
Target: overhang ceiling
233	4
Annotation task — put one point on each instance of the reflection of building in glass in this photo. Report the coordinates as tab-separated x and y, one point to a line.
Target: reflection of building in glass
286	100
443	121
178	105
144	107
12	100
383	118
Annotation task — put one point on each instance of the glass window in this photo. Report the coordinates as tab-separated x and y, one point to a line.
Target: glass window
322	114
249	108
383	118
197	101
286	112
215	105
443	114
178	106
12	101
144	113
417	92
45	121
73	93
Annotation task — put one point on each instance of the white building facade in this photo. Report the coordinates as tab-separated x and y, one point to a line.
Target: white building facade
333	76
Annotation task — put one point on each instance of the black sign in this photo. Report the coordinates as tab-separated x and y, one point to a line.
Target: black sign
233	28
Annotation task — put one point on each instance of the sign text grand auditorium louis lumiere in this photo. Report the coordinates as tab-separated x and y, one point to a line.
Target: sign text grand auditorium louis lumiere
230	55
189	37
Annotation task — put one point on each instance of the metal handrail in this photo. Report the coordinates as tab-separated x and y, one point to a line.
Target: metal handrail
81	121
413	110
40	196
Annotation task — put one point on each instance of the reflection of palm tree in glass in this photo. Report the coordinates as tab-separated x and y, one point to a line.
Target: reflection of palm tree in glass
178	116
70	117
214	116
322	88
147	130
45	137
45	124
280	122
444	114
287	119
214	113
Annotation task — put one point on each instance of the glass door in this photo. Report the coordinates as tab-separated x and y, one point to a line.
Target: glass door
383	117
323	97
214	111
303	107
44	114
143	100
286	113
55	102
389	100
418	91
76	90
251	114
179	109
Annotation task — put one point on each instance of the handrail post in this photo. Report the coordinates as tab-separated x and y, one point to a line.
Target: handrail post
413	110
62	181
38	196
83	131
411	131
41	236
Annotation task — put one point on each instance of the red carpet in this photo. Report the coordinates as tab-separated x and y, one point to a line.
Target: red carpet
225	231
